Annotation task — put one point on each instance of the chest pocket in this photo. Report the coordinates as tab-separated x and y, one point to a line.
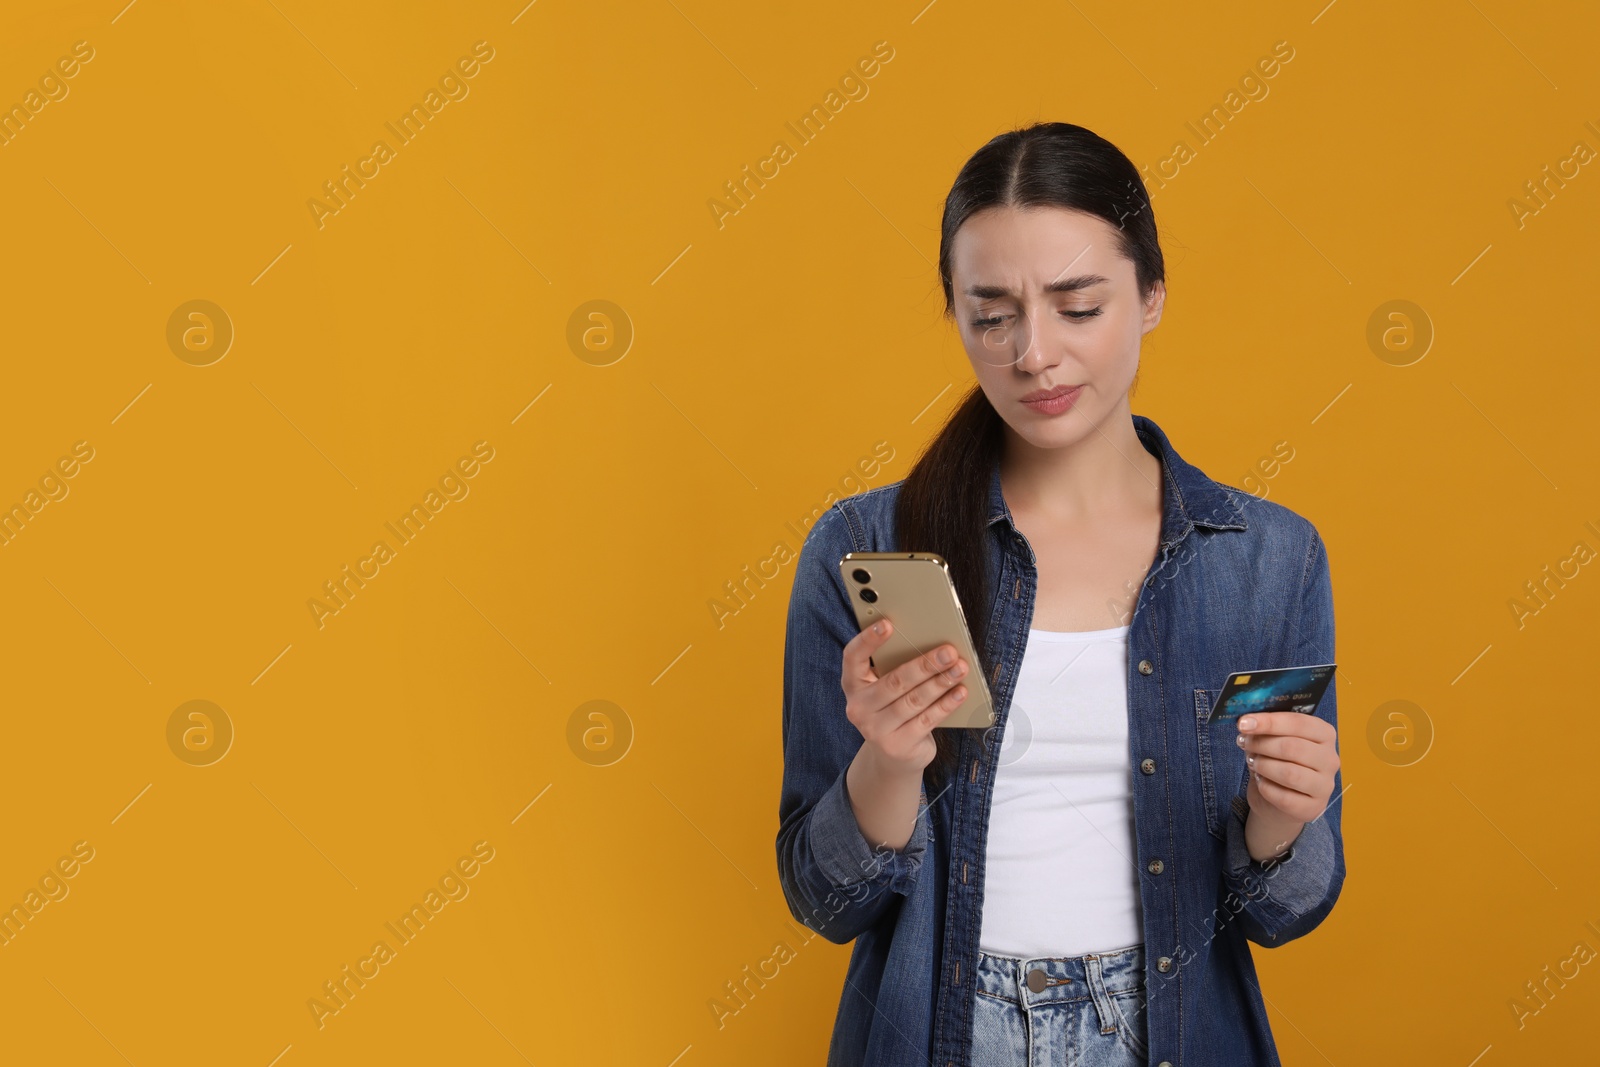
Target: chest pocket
1223	773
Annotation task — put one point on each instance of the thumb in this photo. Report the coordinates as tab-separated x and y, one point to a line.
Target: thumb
868	641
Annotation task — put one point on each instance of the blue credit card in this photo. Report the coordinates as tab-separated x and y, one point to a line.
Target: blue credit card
1280	689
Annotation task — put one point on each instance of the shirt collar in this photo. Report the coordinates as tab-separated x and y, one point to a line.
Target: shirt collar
1191	499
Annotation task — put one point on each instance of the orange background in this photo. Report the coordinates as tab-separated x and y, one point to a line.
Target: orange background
739	374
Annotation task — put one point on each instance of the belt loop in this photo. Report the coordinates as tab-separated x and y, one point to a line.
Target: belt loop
1097	992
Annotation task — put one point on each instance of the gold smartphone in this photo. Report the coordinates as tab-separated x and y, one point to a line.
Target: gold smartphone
913	590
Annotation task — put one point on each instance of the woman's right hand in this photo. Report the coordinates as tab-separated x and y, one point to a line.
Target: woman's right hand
897	713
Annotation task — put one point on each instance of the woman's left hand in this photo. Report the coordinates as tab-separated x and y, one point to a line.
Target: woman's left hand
1292	759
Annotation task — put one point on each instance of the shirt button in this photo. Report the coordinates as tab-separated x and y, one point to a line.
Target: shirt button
1147	765
1164	964
1154	867
1145	667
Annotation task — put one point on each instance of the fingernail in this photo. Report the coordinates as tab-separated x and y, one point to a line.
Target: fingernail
1247	723
1239	740
877	628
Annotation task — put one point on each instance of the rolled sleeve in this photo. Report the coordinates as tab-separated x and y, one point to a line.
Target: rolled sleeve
845	856
1289	896
1282	891
835	881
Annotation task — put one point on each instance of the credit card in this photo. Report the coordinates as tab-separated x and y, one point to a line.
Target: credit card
1279	689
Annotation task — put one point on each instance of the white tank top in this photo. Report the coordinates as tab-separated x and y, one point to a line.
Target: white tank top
1059	874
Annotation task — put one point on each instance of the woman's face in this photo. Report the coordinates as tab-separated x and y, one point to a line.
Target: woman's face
1044	300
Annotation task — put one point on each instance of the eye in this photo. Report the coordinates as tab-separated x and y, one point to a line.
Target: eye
991	321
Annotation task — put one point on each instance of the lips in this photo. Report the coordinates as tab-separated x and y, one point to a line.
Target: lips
1054	402
1048	394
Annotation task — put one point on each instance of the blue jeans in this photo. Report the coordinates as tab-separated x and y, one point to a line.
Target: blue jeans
1087	1011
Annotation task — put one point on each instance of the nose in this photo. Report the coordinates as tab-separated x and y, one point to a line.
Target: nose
1041	347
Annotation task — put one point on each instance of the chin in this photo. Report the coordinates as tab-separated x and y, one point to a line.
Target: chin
1062	430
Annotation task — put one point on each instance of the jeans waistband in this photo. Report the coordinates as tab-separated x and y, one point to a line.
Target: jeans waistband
1094	975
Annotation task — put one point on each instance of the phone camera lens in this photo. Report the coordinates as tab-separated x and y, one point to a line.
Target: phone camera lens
869	596
860	575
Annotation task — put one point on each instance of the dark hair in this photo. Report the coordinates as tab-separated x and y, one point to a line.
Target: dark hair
943	502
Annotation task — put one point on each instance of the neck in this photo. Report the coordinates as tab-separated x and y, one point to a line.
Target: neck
1106	470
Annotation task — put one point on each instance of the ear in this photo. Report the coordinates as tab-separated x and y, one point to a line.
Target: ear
1153	306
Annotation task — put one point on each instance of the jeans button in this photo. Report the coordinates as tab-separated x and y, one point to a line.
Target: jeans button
1037	980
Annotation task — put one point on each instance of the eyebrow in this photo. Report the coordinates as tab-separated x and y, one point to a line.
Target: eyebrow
1063	285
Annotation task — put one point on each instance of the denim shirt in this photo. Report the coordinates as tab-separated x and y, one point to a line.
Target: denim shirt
1240	583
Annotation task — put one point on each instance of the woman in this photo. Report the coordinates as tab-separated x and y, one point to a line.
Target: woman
1080	883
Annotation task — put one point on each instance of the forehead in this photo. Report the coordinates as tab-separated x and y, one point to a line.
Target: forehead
1031	247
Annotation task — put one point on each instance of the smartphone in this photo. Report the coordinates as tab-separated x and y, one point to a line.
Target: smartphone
913	590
